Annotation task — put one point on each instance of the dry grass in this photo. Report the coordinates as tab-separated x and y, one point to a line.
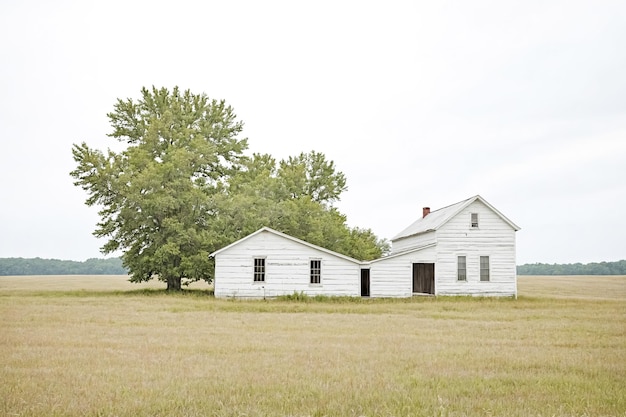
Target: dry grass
125	354
82	283
574	286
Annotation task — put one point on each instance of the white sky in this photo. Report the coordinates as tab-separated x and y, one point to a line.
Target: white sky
419	103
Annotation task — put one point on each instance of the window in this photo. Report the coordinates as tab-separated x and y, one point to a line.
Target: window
316	271
484	268
474	220
259	269
462	269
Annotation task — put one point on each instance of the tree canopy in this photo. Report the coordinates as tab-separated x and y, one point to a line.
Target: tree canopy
183	188
293	196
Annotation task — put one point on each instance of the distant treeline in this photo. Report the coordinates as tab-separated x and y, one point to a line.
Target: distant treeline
602	268
113	266
38	266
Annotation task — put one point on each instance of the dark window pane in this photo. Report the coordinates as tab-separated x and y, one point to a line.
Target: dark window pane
259	269
316	271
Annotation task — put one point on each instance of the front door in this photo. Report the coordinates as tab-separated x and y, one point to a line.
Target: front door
365	282
424	278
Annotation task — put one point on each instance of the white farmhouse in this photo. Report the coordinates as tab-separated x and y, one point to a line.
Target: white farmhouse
467	248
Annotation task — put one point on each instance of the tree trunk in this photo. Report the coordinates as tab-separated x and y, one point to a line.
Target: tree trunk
173	283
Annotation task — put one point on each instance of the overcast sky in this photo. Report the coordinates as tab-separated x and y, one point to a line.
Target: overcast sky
419	103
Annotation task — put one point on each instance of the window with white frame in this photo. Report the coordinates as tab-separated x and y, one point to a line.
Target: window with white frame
484	268
316	271
474	220
462	268
259	269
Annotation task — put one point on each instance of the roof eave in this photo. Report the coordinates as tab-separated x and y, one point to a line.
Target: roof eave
236	242
495	210
289	237
411	250
414	234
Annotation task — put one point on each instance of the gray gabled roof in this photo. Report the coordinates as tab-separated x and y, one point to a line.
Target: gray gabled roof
285	236
439	217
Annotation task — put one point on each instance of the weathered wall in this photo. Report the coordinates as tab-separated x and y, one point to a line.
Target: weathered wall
287	270
406	243
494	238
393	276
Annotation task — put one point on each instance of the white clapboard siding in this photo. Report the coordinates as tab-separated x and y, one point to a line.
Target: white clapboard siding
494	238
393	276
406	243
287	269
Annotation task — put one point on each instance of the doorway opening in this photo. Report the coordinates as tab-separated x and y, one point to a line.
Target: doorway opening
424	278
365	282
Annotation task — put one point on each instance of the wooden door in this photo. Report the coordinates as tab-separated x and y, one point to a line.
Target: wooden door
365	282
424	278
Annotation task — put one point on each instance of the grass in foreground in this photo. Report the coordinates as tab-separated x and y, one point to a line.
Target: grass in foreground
126	354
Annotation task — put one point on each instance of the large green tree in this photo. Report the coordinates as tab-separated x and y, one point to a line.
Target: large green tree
157	195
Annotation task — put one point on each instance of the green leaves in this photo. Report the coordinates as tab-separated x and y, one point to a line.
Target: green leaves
156	194
182	189
310	174
295	198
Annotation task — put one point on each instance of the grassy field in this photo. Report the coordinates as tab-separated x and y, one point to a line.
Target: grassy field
97	346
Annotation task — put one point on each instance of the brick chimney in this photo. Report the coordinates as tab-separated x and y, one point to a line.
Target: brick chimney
425	211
